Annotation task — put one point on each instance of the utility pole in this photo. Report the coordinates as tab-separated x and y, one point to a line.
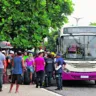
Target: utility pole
77	20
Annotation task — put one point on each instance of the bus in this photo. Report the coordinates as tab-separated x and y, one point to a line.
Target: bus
78	47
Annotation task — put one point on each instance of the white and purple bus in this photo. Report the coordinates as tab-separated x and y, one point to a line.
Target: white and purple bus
78	47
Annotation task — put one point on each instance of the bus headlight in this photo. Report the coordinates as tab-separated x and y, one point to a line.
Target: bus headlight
66	70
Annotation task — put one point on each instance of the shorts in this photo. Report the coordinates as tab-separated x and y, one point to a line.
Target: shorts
31	69
8	72
16	78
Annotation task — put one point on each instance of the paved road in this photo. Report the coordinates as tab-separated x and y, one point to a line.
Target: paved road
26	90
71	88
77	88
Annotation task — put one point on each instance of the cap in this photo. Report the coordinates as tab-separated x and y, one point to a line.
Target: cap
30	54
29	51
41	51
52	53
19	52
3	51
11	52
58	54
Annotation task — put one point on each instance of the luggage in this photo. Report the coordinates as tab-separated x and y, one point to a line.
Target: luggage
27	77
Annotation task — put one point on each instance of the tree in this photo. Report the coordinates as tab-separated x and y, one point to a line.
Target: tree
26	22
51	43
93	23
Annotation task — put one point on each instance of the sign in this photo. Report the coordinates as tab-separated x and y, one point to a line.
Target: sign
84	77
79	30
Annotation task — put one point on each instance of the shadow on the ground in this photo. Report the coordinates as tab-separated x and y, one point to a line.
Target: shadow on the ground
79	84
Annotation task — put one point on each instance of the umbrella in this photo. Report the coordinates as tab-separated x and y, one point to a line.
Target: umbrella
5	44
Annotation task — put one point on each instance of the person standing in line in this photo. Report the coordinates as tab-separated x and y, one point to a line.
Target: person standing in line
59	66
49	68
25	56
53	56
39	68
9	64
18	67
2	68
30	65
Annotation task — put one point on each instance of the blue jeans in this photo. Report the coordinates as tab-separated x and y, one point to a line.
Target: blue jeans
59	80
31	69
1	77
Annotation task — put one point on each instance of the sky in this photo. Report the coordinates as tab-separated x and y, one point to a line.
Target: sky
84	9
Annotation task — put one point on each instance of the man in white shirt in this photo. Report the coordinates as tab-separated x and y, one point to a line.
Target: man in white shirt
2	68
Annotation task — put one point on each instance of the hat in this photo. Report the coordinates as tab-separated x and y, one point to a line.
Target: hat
41	51
58	54
11	52
52	53
19	52
29	51
30	54
3	51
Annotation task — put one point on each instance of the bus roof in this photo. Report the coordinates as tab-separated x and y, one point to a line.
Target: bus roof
78	30
80	27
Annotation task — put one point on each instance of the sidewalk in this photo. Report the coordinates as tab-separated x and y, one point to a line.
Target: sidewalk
26	90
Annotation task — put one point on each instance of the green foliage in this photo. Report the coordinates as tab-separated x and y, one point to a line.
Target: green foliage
51	43
26	22
93	24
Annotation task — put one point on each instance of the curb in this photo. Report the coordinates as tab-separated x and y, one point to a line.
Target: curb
51	92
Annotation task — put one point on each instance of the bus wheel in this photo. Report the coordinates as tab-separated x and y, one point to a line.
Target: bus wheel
95	82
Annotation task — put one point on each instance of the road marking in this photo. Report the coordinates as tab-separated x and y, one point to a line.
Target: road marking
51	92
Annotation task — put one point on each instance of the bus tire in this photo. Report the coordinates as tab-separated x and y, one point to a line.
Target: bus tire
95	82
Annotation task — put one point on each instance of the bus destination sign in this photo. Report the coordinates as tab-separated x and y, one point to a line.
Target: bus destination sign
79	30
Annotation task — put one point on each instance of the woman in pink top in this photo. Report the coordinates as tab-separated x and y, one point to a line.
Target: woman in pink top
39	68
30	64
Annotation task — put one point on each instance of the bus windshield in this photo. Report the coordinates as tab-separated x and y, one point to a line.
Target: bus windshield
79	47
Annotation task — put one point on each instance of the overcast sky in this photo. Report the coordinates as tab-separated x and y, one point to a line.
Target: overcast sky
85	9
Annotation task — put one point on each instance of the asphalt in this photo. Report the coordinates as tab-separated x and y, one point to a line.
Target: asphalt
76	88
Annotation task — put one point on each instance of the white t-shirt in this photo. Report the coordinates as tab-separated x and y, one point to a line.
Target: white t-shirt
2	57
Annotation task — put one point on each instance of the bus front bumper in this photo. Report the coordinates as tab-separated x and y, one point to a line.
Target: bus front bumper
79	76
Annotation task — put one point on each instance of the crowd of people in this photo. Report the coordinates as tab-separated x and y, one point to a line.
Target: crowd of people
27	68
